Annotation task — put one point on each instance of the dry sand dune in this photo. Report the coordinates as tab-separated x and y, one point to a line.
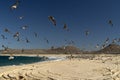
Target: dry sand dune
101	67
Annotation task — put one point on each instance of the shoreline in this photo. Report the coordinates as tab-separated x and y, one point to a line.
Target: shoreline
49	58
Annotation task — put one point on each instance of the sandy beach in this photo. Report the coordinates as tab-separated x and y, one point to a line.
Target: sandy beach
100	67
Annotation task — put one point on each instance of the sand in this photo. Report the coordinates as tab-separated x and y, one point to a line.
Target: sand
100	67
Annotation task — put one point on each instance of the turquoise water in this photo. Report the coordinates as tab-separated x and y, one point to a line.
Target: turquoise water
18	60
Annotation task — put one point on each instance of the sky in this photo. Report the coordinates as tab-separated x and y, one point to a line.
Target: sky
79	15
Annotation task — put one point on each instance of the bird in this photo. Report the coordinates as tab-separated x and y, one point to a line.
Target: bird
3	37
18	38
110	22
24	27
87	33
106	41
103	46
97	46
52	19
36	35
21	17
114	40
119	40
5	48
71	42
6	30
65	26
11	57
15	5
27	41
46	40
16	34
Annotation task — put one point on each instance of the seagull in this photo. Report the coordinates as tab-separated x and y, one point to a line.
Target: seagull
52	19
36	35
46	40
119	40
21	17
18	38
106	41
11	57
103	46
110	22
15	5
65	26
27	41
16	34
97	46
3	37
5	48
6	30
24	27
87	33
114	40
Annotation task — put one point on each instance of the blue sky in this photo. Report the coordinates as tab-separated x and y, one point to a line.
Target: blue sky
79	15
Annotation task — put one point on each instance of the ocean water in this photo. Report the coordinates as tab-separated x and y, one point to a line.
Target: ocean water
19	60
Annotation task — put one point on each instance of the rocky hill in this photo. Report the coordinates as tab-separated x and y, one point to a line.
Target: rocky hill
111	48
59	50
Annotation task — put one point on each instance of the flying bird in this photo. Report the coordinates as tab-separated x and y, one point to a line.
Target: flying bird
11	57
24	27
6	30
97	46
18	38
119	40
110	22
21	17
16	34
27	41
15	5
36	35
114	40
5	48
65	26
46	40
3	37
103	46
107	40
52	19
87	33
